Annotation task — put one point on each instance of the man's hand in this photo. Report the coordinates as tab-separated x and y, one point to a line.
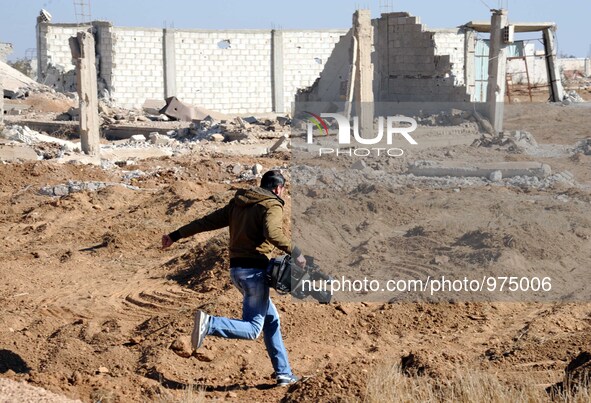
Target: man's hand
166	241
301	261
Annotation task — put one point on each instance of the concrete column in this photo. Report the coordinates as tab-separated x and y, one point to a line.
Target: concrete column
168	49
497	66
363	94
587	67
277	71
470	61
556	88
83	52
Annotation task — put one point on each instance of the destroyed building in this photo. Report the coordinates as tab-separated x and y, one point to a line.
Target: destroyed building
256	71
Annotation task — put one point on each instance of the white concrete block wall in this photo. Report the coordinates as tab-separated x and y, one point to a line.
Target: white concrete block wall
137	66
304	56
236	79
58	48
452	44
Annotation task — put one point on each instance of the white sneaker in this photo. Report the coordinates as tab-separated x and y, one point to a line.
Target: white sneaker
200	329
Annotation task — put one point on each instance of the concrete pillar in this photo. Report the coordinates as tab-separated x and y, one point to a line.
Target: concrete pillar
470	61
587	67
363	93
556	88
169	57
497	66
277	71
83	52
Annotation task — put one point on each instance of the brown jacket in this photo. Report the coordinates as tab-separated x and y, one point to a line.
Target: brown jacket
255	218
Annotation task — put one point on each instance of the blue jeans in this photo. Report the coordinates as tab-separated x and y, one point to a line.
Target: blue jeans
258	314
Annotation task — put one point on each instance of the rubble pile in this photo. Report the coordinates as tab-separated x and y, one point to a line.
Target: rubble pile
348	180
45	146
516	142
572	97
583	146
453	117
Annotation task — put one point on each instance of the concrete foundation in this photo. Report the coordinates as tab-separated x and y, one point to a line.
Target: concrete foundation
484	170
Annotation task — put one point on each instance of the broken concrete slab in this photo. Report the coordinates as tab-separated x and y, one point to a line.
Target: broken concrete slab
158	139
281	143
13	80
217	137
479	169
23	134
138	138
176	109
16	152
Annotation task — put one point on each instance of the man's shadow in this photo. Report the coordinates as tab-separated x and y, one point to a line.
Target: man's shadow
172	384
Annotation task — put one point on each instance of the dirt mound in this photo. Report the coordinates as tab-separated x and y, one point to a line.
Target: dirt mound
335	383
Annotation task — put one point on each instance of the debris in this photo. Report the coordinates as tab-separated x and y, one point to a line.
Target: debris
359	165
495	176
103	370
572	97
483	123
23	134
251	120
236	169
518	141
283	120
257	169
584	146
483	170
279	143
217	137
77	186
178	110
137	138
158	139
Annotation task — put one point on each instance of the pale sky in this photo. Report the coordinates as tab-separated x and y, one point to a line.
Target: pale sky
17	17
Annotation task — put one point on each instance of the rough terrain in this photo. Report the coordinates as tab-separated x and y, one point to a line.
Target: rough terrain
93	309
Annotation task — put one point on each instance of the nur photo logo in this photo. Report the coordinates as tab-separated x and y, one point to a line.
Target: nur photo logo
350	138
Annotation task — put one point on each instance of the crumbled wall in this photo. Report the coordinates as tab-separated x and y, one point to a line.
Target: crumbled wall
415	64
305	55
225	70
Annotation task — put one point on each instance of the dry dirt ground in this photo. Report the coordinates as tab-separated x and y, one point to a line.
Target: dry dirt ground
92	307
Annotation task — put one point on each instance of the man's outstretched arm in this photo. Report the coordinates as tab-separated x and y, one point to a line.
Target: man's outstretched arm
215	220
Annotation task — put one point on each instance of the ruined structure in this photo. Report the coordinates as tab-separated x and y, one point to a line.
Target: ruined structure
234	71
254	71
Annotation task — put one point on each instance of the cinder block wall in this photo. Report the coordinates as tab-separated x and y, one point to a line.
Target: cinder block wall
137	66
238	78
229	71
416	65
54	47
